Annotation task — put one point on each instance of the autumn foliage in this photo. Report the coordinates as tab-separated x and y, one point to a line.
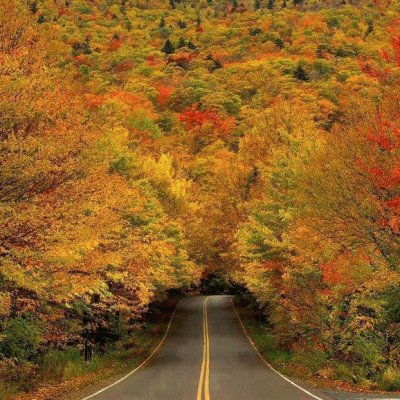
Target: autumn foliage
146	144
196	119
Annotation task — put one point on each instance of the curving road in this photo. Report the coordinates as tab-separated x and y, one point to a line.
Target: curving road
206	356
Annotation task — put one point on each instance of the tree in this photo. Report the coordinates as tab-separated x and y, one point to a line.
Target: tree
198	19
191	45
279	43
33	7
182	24
370	29
168	47
181	43
90	232
300	73
162	23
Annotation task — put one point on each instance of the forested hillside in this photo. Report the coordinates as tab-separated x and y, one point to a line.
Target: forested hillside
146	143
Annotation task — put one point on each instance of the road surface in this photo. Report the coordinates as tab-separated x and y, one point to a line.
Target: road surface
205	356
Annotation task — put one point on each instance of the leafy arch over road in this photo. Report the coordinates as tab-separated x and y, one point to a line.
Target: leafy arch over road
263	146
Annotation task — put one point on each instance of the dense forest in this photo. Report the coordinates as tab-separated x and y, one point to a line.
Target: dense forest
147	143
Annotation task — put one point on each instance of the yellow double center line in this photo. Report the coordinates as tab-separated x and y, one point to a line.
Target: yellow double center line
204	380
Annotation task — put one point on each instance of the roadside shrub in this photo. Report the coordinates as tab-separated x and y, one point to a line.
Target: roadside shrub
269	347
16	376
79	367
55	362
367	352
7	389
390	379
267	342
21	339
312	359
353	373
344	373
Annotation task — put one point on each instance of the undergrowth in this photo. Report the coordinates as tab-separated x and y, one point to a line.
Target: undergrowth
313	364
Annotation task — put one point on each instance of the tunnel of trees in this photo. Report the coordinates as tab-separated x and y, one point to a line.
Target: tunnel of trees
154	148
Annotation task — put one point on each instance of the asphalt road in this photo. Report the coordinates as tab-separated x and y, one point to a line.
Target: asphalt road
206	356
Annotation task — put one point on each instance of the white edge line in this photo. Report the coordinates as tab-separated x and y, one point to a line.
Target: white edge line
266	362
142	364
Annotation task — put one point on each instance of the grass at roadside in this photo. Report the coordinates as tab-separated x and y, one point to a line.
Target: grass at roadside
64	374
